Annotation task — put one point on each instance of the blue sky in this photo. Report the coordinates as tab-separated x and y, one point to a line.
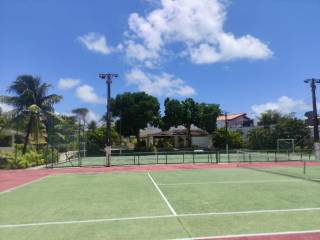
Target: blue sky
246	55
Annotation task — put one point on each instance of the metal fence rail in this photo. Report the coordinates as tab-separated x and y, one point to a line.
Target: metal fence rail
181	157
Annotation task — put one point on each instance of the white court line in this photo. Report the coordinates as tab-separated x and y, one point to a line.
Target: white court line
156	217
25	184
163	196
230	182
249	235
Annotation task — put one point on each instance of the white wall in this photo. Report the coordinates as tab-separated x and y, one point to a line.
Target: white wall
201	141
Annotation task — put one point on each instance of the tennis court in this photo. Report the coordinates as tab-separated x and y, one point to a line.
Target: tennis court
175	204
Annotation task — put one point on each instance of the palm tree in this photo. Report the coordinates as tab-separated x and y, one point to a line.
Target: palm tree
32	105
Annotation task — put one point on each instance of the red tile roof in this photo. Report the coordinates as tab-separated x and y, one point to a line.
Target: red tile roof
230	116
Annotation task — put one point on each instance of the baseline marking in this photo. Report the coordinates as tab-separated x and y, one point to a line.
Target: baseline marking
25	184
231	182
162	195
155	217
250	235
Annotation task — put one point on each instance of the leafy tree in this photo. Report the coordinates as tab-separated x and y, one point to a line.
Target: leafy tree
173	114
96	139
208	117
262	138
81	114
188	113
287	126
221	138
268	118
92	125
31	104
190	116
292	127
135	111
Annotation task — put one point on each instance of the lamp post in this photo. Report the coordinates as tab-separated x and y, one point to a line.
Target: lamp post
108	78
313	83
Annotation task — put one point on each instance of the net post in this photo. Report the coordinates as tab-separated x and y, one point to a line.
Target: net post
138	159
166	158
157	158
275	157
183	157
193	157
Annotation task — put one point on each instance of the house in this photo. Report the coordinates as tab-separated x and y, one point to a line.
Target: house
234	121
8	138
177	137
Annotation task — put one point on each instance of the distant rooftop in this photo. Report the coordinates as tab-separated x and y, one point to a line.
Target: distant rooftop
230	116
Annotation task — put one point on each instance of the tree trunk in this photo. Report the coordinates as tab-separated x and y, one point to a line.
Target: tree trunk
189	141
138	137
26	139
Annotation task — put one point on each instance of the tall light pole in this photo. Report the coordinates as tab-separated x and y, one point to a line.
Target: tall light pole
313	83
108	78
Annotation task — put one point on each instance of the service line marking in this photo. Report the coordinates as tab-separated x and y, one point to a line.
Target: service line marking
156	217
162	195
251	235
230	182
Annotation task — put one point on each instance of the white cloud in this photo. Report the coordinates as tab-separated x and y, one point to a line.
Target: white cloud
95	42
92	116
197	26
159	85
5	107
283	104
86	94
68	83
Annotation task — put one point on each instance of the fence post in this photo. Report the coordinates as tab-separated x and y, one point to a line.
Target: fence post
138	159
166	158
275	157
157	158
228	157
134	159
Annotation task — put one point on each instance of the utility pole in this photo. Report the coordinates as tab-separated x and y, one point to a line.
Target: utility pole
108	78
227	135
313	83
226	120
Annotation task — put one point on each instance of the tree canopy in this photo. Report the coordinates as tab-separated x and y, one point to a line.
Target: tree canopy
32	105
188	113
268	118
134	111
283	127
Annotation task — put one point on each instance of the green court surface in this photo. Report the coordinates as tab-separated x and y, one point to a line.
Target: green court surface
161	204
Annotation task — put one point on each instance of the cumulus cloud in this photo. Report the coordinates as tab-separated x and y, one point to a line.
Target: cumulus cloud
197	26
86	94
92	116
68	83
95	42
283	104
5	107
159	85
